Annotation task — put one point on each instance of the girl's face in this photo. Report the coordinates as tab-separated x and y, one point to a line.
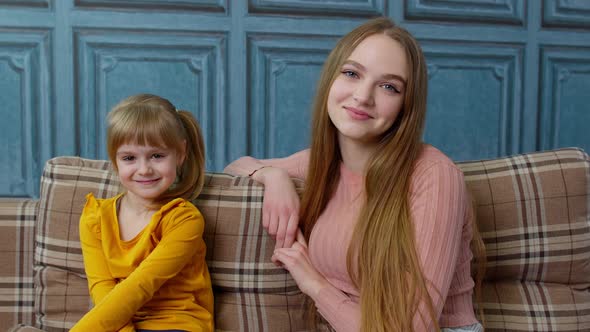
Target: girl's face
368	94
147	171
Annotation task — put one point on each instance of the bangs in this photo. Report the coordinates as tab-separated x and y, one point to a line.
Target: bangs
143	126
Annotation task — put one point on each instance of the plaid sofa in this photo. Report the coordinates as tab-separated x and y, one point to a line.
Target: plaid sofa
533	211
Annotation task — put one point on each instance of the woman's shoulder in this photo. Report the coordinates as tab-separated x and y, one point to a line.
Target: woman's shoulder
432	162
434	169
432	157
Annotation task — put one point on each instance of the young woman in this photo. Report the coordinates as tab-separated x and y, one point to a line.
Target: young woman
387	218
144	253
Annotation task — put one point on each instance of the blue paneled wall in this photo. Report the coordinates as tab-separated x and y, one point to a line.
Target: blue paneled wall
504	76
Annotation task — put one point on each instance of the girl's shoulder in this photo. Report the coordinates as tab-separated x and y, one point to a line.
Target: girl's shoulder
97	209
91	200
178	204
179	217
179	209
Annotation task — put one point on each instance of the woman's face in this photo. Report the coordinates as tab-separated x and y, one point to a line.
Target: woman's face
368	93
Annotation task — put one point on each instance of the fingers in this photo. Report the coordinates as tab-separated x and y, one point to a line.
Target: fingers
288	257
291	228
281	232
273	224
276	258
265	217
280	211
276	261
301	238
284	257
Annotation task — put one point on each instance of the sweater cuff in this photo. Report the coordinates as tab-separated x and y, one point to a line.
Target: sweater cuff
334	304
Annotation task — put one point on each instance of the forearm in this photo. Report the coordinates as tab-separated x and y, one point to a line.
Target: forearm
113	313
128	328
295	165
93	322
243	166
338	309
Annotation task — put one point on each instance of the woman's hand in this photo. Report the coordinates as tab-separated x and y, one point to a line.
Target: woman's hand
280	207
296	261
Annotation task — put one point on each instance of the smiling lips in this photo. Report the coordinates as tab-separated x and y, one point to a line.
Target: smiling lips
147	182
357	114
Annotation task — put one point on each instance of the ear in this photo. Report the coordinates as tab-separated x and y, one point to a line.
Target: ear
181	153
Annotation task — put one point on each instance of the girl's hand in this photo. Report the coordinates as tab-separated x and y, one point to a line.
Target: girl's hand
280	207
296	261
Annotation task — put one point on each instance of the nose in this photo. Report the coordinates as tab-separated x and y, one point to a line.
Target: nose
363	94
144	167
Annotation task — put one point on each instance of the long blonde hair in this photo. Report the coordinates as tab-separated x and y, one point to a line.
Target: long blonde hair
388	272
146	119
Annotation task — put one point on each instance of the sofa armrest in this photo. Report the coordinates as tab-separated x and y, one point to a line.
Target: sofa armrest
17	242
24	328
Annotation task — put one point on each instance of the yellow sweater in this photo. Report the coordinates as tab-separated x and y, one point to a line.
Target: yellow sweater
156	281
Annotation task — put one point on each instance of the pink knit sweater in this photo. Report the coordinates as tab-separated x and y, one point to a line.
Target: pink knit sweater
442	220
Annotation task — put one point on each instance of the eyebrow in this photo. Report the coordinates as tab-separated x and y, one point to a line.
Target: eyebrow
130	151
386	76
122	152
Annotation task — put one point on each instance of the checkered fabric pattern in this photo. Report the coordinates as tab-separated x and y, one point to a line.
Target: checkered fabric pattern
533	211
61	290
17	234
251	293
24	328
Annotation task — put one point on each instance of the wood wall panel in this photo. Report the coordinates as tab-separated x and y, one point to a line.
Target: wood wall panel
187	69
25	110
151	5
362	8
474	99
280	106
565	113
566	13
474	11
36	4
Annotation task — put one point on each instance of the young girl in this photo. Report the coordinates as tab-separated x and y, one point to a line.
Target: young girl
387	218
143	249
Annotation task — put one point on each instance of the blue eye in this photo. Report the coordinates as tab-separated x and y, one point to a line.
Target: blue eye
349	73
390	87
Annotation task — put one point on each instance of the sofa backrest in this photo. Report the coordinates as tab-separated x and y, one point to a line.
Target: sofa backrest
251	293
532	210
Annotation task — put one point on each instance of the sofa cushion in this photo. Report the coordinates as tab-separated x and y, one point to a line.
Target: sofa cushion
533	211
17	233
61	291
24	328
512	305
250	292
